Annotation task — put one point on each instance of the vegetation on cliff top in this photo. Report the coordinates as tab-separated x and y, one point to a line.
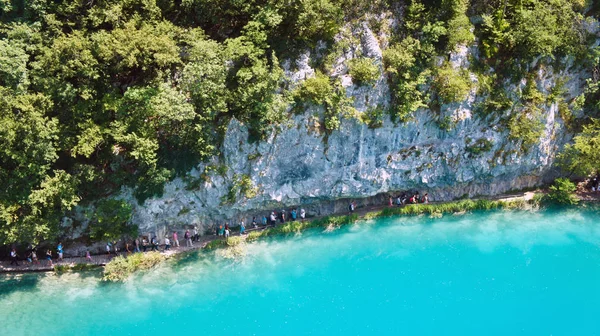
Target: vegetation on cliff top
96	95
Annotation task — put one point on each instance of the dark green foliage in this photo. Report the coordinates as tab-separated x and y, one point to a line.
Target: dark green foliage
451	85
582	157
562	192
320	90
514	31
240	185
480	146
110	220
446	123
363	70
373	117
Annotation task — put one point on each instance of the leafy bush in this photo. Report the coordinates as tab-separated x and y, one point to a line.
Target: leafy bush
121	268
110	220
526	127
561	192
406	79
451	85
459	26
582	157
319	90
363	70
373	117
480	146
446	123
241	184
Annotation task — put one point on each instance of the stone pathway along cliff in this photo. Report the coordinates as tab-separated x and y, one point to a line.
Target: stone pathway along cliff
101	260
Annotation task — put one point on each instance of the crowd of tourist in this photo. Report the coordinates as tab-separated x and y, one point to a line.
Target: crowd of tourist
271	219
408	199
151	242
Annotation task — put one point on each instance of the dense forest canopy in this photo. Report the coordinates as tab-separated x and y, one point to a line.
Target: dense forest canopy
99	94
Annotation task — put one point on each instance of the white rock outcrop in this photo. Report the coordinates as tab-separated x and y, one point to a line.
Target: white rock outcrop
299	165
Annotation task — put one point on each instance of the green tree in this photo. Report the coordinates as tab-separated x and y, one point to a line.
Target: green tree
582	157
363	70
562	192
110	220
452	85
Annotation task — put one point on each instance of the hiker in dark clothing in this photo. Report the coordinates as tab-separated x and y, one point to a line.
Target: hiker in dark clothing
154	244
282	216
13	257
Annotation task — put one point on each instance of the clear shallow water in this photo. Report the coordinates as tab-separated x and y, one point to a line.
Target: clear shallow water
495	273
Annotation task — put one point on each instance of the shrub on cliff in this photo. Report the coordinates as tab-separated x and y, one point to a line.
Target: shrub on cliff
363	70
120	268
582	157
111	220
561	192
452	85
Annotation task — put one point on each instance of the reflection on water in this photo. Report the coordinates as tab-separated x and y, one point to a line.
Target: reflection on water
457	274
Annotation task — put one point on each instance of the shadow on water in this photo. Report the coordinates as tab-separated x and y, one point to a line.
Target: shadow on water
83	274
11	283
189	258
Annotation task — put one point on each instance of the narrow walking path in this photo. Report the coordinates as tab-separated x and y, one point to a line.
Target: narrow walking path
101	260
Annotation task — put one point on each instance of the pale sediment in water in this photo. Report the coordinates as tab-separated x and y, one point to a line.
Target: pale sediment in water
499	272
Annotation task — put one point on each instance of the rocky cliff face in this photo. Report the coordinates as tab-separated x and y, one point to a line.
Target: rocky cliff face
298	164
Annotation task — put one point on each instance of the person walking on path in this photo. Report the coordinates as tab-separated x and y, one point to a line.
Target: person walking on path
34	257
351	207
302	214
116	248
273	219
293	214
390	202
242	228
282	217
127	247
254	224
59	250
49	257
154	244
167	243
188	238
136	245
264	221
226	234
108	249
175	239
13	257
88	256
196	234
144	244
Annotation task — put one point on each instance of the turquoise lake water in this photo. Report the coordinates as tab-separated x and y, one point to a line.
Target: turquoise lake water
493	273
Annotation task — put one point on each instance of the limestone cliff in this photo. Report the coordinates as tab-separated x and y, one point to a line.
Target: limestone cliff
299	164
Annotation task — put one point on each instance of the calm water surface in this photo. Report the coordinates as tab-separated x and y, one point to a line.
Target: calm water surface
494	273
